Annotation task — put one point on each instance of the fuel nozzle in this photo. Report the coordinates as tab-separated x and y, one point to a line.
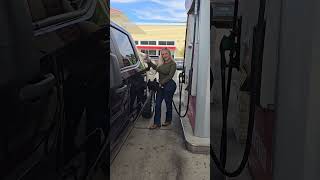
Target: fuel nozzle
182	77
153	85
228	44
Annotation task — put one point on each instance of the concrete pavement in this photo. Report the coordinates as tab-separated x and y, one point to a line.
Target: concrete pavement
162	154
235	149
158	155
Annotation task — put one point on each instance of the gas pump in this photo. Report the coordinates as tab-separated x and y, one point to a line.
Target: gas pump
182	75
231	43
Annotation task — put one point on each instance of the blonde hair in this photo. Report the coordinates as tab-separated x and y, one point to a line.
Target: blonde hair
161	58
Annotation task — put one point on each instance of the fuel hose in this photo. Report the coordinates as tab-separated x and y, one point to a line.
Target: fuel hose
257	50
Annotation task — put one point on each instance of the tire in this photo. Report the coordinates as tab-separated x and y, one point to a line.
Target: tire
148	109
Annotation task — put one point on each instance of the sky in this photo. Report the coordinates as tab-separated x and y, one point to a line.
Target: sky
152	11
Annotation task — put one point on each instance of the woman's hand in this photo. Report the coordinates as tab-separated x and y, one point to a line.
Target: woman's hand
160	84
147	59
148	68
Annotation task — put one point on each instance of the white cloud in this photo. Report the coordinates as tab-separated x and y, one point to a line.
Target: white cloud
171	4
161	14
125	1
168	10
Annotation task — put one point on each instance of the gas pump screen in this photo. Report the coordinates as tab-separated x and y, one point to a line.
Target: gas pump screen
222	10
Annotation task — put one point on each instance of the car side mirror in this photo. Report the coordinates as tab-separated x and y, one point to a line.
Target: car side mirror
115	74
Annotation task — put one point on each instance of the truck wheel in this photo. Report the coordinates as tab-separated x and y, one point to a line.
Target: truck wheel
148	110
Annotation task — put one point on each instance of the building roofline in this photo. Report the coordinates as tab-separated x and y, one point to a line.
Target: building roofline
114	11
163	24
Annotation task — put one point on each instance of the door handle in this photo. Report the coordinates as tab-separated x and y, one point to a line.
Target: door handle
35	90
122	89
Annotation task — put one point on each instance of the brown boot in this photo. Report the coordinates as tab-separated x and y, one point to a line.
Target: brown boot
166	123
154	126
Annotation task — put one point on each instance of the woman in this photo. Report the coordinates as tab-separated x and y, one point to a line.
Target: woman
166	72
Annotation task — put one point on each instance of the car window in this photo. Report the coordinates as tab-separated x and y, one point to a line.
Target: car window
42	9
125	47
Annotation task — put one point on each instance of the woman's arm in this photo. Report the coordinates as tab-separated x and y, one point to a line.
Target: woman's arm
150	64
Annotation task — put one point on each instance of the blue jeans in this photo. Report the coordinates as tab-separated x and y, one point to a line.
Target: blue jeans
165	93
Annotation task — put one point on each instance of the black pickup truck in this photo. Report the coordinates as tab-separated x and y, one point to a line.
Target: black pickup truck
129	95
